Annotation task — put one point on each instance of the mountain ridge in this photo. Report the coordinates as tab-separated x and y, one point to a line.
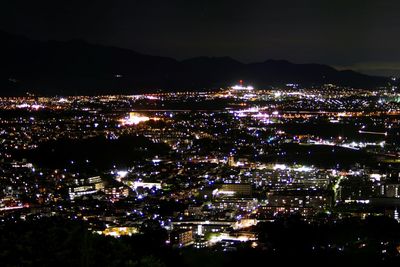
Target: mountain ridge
77	67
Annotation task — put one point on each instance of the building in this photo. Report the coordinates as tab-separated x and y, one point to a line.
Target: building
231	161
181	237
235	203
233	189
390	190
201	242
86	186
201	227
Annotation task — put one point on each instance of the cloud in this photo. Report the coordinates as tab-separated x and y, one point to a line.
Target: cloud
374	68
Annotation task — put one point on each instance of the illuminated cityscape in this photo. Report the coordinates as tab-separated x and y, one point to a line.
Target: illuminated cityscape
207	176
199	133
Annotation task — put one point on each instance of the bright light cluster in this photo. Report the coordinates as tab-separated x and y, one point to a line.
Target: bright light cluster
241	87
134	119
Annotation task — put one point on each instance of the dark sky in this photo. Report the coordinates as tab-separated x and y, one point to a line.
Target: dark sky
358	34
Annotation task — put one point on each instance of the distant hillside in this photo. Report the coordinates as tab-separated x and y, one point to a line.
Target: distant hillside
77	67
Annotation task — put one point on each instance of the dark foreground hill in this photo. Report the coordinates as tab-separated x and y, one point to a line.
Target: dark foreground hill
290	242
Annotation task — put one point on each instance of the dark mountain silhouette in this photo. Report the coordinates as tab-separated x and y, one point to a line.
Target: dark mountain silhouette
77	67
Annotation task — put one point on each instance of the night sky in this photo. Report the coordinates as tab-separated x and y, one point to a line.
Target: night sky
358	34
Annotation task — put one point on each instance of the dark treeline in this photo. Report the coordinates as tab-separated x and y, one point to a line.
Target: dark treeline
55	241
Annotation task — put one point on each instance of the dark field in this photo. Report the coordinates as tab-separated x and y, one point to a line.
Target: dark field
99	152
325	129
324	156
